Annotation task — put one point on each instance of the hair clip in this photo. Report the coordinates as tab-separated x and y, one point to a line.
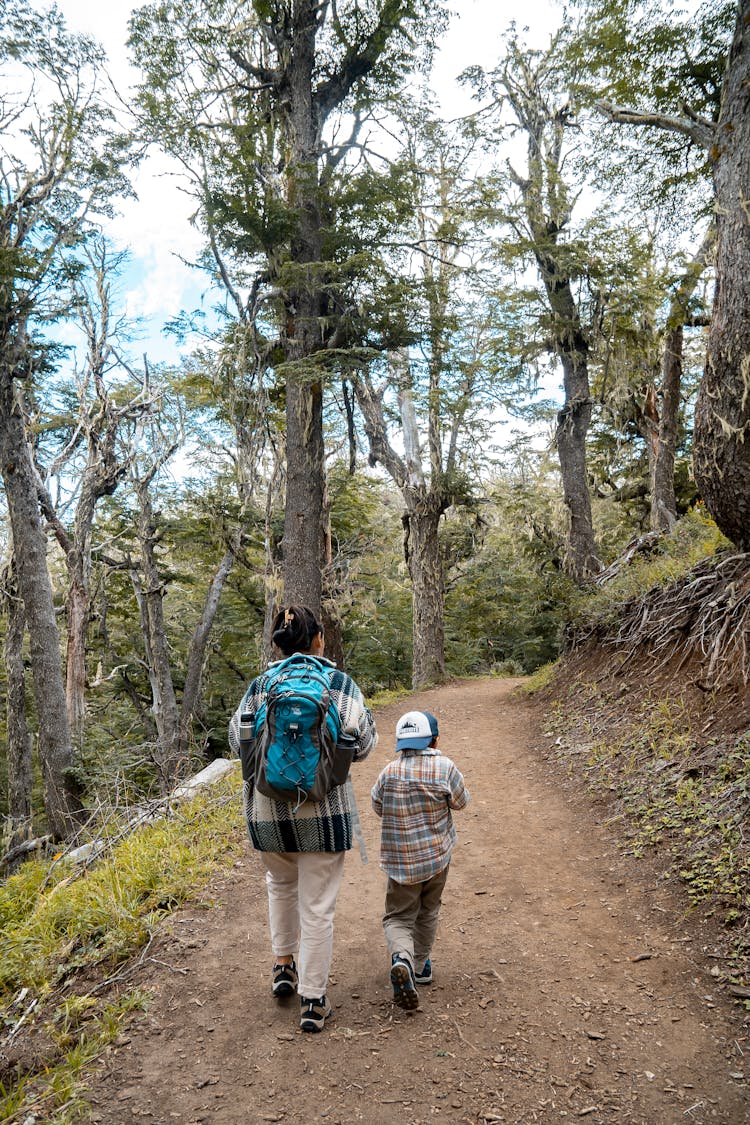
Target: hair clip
288	617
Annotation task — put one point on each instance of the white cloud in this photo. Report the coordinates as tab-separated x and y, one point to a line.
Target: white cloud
475	38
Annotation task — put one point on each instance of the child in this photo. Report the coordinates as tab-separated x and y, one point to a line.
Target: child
414	796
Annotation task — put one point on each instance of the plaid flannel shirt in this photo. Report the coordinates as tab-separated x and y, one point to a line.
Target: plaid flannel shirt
414	796
315	826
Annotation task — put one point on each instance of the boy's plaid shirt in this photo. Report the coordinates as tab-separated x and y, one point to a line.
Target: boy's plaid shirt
414	796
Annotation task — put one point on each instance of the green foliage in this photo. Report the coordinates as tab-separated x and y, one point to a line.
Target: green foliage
651	57
234	139
695	537
540	679
52	922
511	597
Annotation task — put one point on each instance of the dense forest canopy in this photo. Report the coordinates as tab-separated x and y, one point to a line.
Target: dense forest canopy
444	369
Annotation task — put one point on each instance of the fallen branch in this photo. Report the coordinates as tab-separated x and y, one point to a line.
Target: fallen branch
24	849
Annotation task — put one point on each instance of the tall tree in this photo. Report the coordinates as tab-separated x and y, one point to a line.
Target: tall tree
699	98
93	455
722	413
423	410
17	727
532	88
263	103
665	422
175	690
55	170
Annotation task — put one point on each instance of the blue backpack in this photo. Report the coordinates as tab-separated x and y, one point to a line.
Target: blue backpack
289	747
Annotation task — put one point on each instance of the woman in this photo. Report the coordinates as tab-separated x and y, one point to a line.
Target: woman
304	845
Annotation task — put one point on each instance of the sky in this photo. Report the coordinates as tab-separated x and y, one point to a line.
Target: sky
156	226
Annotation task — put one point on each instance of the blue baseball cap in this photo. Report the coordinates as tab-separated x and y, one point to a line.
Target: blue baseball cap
415	730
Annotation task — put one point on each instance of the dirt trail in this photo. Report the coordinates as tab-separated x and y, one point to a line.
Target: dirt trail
566	984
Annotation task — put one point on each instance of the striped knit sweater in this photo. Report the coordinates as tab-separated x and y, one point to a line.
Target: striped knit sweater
323	826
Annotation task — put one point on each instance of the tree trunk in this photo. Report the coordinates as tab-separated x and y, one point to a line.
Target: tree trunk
661	464
722	414
30	545
570	435
329	610
547	204
663	499
573	421
149	591
198	645
19	739
425	503
78	607
422	550
303	543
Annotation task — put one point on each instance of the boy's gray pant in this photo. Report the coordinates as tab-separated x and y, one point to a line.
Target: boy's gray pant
411	917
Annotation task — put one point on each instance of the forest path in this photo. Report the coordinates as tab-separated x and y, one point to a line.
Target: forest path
565	983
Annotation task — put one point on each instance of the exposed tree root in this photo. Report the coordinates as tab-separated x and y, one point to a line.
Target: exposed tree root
703	617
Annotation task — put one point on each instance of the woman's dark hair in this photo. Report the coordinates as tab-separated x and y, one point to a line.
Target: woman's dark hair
294	629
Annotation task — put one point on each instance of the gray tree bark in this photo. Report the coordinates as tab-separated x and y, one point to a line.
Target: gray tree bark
197	651
30	545
173	718
18	736
663	499
572	427
149	591
722	415
424	558
547	210
424	503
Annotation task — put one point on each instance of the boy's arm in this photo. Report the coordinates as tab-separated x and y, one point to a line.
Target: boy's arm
458	797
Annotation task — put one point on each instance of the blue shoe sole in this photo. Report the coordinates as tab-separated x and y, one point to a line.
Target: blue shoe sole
405	994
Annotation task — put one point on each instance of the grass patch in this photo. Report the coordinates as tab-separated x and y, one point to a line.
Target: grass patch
541	678
694	538
56	922
386	696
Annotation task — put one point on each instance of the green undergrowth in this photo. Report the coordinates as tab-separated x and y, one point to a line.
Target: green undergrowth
62	927
78	1033
694	538
675	789
539	679
386	696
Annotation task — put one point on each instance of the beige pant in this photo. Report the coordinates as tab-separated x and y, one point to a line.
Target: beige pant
302	891
411	917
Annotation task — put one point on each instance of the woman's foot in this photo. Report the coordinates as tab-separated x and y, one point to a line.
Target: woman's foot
284	981
313	1013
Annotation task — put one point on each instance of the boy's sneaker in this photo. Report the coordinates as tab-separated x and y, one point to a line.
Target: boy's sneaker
284	980
404	988
424	975
313	1013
